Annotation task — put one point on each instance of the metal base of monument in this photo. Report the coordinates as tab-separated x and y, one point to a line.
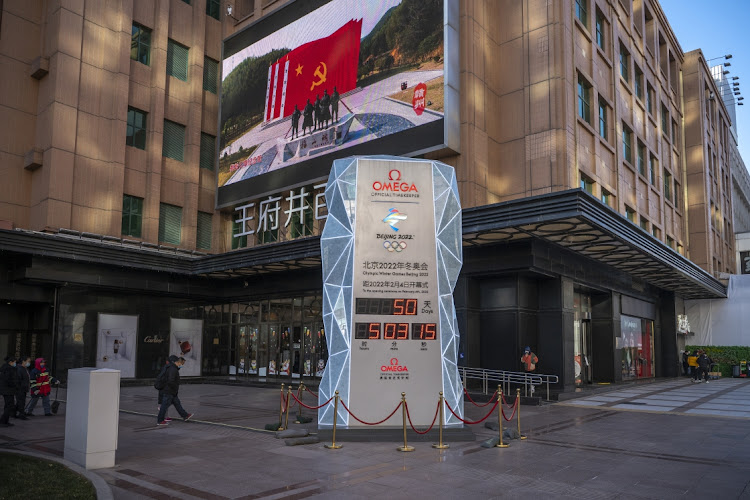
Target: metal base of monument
396	434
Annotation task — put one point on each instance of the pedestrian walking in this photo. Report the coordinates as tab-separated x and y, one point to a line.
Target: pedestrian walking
704	363
22	370
171	389
8	389
529	360
161	382
40	387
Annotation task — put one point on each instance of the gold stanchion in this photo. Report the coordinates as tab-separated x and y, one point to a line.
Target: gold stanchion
518	416
500	417
288	397
405	447
281	410
333	445
440	445
299	406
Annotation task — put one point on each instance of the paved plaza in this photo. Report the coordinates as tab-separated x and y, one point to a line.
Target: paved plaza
667	439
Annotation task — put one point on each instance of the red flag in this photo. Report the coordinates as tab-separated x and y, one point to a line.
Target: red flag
312	68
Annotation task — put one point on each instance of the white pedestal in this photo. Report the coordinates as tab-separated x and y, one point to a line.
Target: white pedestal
92	417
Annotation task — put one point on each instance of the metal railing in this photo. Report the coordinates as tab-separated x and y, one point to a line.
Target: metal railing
504	378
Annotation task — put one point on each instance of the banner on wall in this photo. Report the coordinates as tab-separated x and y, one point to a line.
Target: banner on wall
116	343
185	340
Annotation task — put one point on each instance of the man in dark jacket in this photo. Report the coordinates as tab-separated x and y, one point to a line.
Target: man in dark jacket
8	389
704	364
170	391
22	369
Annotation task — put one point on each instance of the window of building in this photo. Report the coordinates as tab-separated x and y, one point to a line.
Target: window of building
584	98
641	151
663	56
170	224
174	141
680	249
136	130
212	8
238	242
186	1
667	185
208	151
210	75
627	144
650	96
203	238
670	242
624	63
269	236
644	223
582	12
653	164
132	215
638	82
675	133
606	198
650	29
587	184
603	118
656	232
630	214
600	27
299	228
177	60
676	194
664	120
140	44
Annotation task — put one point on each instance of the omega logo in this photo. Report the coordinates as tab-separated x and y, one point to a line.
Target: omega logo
393	367
394	184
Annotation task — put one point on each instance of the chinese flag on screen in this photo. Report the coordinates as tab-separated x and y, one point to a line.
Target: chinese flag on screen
310	69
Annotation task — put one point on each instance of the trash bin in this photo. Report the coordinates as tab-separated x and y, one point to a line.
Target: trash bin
735	370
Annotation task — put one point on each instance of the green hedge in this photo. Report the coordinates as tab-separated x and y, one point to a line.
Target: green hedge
725	355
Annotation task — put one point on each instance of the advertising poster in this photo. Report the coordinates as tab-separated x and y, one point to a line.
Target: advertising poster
348	73
116	343
185	340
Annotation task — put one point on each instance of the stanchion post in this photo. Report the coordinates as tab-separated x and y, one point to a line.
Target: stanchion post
518	414
281	409
405	447
500	417
299	407
288	397
333	445
440	445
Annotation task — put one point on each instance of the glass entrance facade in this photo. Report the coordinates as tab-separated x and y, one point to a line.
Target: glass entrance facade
636	344
281	338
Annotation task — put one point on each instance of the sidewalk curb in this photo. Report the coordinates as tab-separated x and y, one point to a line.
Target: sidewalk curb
103	490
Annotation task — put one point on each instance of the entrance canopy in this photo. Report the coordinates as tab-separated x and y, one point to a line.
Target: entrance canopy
571	219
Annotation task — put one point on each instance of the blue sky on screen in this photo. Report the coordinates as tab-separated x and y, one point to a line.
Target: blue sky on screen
718	28
318	24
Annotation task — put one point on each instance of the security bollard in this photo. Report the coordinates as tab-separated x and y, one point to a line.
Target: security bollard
518	416
405	447
333	445
281	410
440	445
500	417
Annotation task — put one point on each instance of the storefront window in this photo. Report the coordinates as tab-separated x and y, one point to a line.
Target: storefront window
636	344
582	340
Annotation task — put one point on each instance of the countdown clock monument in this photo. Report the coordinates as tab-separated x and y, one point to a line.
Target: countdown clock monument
391	254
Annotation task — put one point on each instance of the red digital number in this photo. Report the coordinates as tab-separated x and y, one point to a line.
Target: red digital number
374	331
389	331
402	331
398	307
427	331
411	307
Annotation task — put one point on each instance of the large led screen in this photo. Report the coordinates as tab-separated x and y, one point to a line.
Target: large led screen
318	80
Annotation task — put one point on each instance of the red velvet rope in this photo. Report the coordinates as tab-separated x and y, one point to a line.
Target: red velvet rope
506	403
515	407
311	407
311	392
283	402
368	423
478	405
437	410
468	421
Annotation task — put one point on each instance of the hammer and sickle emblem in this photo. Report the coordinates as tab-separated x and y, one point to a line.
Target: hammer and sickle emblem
321	75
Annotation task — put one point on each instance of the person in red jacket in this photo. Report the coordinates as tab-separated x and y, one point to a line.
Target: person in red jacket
529	360
41	381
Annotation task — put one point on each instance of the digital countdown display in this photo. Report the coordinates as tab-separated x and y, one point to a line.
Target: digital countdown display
395	331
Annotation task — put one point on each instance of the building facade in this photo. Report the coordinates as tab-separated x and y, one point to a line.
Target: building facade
589	213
